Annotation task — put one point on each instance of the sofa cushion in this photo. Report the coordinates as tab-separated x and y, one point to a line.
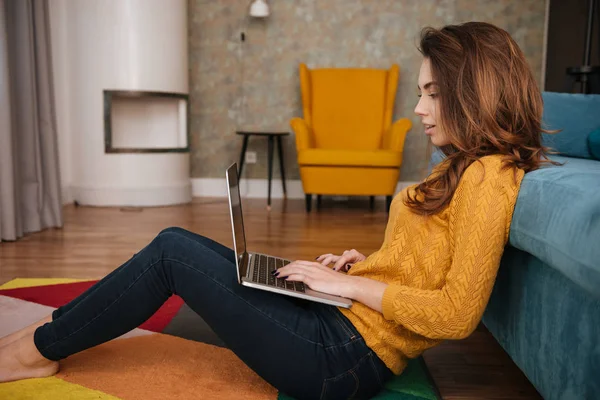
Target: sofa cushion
557	219
576	115
362	158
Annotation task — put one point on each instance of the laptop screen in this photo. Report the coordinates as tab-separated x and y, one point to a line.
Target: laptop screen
235	204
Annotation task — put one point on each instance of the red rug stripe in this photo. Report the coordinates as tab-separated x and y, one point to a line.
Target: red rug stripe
57	295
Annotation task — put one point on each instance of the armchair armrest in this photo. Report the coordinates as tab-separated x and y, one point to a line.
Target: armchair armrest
302	131
394	138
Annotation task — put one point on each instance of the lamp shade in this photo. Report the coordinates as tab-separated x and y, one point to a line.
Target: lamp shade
259	9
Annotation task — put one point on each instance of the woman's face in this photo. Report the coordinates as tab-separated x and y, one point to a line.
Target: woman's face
428	106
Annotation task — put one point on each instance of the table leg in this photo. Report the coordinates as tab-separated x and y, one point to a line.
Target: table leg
270	170
243	156
280	150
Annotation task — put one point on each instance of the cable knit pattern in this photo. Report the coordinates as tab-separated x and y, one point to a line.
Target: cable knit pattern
440	269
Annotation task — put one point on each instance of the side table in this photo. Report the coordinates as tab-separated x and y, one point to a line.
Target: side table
271	136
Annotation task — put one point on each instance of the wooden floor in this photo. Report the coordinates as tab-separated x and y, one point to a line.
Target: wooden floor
94	241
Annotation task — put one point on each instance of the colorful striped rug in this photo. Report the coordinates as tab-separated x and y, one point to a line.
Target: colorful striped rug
173	355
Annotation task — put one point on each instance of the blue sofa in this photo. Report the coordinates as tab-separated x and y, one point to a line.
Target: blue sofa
545	307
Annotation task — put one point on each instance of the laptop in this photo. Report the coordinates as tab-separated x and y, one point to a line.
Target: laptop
254	269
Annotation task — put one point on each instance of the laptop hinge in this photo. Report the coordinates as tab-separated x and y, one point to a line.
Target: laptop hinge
245	264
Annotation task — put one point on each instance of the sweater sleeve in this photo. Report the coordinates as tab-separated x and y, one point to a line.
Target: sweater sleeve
479	219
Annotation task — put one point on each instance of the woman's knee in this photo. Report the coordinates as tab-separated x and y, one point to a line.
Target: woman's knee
173	230
172	235
166	237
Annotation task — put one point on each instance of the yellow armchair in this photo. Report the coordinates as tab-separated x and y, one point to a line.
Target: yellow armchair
346	142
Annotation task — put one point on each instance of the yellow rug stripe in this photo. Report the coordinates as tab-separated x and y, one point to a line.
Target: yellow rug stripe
29	282
50	388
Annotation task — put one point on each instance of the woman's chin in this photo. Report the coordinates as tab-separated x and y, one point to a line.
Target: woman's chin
434	141
437	141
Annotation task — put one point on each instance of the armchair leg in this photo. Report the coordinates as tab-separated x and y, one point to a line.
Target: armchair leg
318	202
372	202
308	199
388	203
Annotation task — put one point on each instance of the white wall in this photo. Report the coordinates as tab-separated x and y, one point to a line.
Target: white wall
116	45
60	66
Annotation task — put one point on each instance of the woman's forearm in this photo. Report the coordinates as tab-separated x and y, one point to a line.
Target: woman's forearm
366	291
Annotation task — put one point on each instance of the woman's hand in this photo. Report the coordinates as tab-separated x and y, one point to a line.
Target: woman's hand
318	277
343	262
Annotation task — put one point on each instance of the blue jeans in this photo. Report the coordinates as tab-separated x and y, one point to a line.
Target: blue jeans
304	349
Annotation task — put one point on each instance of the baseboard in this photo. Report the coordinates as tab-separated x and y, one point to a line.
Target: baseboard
200	187
257	188
178	193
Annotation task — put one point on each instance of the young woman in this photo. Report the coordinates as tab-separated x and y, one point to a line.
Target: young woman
430	280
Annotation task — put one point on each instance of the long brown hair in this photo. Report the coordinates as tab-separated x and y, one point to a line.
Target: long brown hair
489	104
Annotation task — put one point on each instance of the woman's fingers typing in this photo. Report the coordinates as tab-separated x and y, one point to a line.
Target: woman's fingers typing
342	262
348	257
299	267
327	259
314	274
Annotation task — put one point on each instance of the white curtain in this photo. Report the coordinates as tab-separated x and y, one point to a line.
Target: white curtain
30	197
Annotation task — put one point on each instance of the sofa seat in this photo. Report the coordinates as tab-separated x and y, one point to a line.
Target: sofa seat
557	219
362	158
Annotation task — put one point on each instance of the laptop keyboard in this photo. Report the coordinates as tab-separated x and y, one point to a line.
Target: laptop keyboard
264	265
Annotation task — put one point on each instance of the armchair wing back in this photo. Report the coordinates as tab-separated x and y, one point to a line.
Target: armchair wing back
348	108
346	141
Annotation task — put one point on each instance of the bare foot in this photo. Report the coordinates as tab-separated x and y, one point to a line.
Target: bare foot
21	360
8	339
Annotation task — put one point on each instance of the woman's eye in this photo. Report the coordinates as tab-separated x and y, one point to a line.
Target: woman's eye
419	95
433	95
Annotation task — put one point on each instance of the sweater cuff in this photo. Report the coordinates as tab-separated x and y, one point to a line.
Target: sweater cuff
387	303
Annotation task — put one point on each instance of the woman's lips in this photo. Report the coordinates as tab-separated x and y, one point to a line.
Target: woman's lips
429	129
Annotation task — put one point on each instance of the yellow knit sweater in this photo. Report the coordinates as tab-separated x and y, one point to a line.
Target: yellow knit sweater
440	269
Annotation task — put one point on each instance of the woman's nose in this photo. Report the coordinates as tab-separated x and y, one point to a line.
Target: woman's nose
420	108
